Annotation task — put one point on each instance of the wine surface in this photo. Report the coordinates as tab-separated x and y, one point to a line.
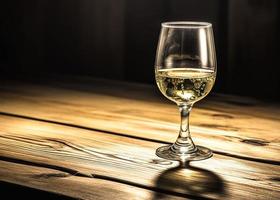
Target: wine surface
185	85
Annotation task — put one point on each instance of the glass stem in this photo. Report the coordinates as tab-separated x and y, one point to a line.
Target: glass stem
184	127
184	143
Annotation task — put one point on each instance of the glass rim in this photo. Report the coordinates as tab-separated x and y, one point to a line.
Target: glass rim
186	24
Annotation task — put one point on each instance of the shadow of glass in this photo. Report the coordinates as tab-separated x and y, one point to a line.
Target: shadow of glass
191	182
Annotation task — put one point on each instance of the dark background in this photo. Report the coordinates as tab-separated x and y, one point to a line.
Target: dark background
117	39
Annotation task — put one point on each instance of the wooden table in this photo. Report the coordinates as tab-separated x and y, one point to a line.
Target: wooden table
96	139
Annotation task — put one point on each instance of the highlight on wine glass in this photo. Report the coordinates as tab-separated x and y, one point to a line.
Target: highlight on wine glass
185	72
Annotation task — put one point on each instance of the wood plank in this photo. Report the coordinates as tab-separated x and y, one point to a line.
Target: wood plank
132	161
67	184
229	125
14	191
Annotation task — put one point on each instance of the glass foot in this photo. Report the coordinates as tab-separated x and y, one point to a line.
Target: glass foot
167	152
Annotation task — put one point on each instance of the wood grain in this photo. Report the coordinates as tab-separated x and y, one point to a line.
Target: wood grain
68	184
229	125
132	161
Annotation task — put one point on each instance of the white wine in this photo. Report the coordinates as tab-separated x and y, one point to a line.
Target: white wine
185	85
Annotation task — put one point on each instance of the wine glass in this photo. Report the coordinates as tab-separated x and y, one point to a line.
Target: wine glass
185	72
